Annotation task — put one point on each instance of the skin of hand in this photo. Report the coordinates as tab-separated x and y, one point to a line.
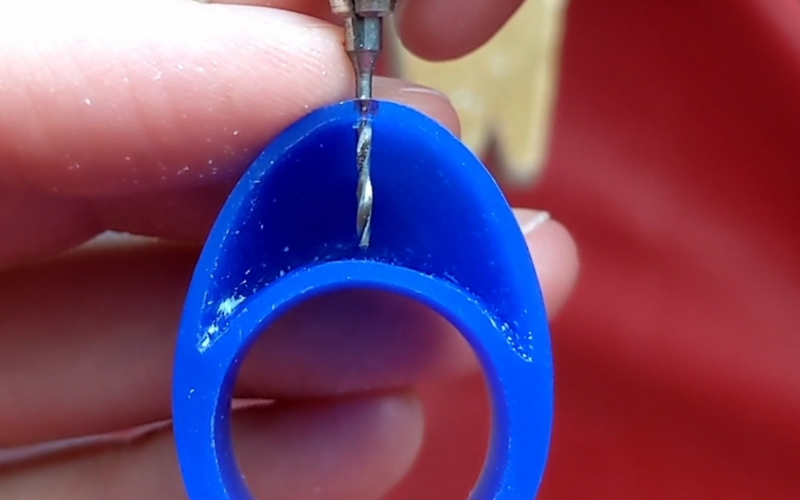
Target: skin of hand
139	117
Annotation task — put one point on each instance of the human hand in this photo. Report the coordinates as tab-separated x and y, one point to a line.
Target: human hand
139	117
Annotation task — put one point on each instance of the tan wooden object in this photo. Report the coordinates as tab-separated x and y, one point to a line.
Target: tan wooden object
504	92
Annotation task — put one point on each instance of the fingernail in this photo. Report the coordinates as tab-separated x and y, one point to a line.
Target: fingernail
531	220
412	88
396	88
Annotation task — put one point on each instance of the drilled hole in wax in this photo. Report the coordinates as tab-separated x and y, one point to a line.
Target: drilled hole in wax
361	394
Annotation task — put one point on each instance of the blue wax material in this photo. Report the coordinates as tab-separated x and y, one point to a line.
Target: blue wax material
442	234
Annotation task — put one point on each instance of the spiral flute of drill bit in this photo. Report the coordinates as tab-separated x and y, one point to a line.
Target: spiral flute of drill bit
364	191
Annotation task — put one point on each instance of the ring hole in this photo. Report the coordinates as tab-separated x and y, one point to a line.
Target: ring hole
333	387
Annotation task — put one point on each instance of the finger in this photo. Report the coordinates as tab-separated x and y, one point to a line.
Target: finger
129	104
123	85
554	254
447	29
87	341
353	449
38	224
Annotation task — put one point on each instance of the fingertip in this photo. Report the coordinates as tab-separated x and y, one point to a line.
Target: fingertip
446	29
555	255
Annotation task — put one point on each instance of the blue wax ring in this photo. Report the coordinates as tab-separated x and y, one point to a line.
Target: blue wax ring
442	234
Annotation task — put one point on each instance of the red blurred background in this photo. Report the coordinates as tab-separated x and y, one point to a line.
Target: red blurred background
676	165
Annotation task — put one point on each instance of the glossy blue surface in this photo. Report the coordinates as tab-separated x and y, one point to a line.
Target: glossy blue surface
443	234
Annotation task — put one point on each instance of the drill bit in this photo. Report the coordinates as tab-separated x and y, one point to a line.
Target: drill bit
363	23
